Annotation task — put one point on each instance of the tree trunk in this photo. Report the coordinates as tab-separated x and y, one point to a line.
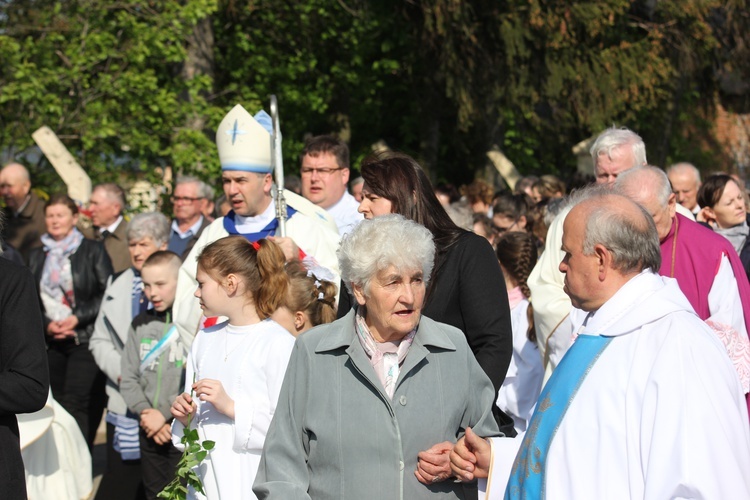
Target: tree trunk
198	61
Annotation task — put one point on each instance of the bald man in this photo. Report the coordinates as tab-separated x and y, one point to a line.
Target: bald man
685	180
24	211
628	412
705	265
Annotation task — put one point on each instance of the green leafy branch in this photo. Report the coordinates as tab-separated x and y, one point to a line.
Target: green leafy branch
195	452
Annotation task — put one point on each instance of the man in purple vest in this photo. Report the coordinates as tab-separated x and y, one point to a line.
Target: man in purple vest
704	264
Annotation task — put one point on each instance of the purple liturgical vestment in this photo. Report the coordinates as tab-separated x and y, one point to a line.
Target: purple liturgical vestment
692	254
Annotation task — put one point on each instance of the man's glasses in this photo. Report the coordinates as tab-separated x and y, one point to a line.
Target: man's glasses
179	199
320	171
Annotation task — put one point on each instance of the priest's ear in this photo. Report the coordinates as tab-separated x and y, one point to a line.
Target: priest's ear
672	204
604	260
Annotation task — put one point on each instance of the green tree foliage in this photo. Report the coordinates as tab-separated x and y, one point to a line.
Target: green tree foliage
444	80
102	75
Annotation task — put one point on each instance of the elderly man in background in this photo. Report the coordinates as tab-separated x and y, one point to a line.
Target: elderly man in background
628	412
325	172
614	151
189	200
123	300
244	146
106	207
706	266
685	180
386	381
24	211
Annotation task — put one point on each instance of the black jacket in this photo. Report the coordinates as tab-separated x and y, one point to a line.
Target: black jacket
24	376
90	266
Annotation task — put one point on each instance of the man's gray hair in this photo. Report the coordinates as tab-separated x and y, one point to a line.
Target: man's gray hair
640	179
614	138
152	225
633	242
114	192
204	190
686	167
376	244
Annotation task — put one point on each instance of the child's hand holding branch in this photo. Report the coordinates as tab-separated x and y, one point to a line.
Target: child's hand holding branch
213	392
182	407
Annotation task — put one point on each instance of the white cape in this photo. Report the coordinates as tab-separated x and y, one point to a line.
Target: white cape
55	455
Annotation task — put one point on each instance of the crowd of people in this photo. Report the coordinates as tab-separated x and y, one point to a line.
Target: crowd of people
399	340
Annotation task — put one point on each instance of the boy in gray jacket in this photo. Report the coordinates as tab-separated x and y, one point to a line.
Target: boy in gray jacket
153	367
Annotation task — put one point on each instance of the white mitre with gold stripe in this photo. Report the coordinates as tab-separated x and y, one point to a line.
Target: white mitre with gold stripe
243	143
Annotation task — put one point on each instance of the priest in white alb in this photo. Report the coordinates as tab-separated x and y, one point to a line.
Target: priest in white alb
645	404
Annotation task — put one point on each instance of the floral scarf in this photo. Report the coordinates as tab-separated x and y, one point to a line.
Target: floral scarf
57	278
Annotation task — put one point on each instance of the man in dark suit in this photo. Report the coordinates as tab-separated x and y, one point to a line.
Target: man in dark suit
106	206
24	211
24	376
189	201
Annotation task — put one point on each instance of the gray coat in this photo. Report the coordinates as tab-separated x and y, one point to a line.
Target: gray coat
110	334
337	435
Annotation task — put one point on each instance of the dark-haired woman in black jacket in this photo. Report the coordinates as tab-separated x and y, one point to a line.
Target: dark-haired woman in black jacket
72	273
466	289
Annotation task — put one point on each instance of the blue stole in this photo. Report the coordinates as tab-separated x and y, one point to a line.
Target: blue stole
528	474
269	230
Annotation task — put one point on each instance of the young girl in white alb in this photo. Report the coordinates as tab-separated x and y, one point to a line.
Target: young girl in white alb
235	368
523	382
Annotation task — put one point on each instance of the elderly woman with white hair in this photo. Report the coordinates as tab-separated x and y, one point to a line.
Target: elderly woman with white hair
364	395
